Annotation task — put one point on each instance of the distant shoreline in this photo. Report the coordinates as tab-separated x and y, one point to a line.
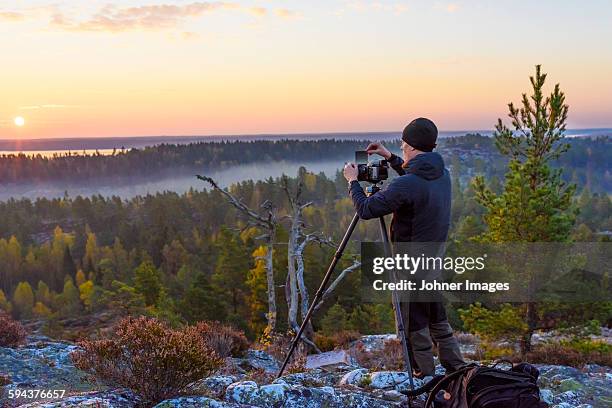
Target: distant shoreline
77	145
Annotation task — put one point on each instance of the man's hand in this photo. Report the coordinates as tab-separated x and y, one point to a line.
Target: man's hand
350	172
378	148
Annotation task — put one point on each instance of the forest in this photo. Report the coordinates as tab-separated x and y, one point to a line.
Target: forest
194	256
586	163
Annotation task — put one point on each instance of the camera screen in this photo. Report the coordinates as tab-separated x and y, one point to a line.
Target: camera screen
361	157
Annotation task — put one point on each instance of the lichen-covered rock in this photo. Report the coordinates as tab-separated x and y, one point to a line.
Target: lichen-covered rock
257	359
242	392
196	402
353	377
213	386
546	395
313	378
104	399
42	364
405	386
387	379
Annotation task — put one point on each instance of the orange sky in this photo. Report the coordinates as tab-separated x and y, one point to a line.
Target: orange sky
78	69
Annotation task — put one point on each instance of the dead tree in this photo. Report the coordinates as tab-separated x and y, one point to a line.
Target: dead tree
268	223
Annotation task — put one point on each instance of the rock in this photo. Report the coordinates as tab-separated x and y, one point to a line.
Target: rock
196	402
257	359
387	379
393	395
563	405
353	377
241	392
118	398
569	384
274	393
405	386
312	378
212	386
328	358
42	364
546	395
375	341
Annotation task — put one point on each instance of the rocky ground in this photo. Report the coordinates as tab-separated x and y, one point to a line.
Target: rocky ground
337	381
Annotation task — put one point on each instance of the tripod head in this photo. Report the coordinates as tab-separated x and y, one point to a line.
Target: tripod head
373	189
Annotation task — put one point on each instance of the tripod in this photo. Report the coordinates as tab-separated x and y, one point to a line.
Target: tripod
399	322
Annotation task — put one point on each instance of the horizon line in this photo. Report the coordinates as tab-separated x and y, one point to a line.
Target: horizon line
262	134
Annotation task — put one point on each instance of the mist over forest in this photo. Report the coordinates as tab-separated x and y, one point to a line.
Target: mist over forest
171	167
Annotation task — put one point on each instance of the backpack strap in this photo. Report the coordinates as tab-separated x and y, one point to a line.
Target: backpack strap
447	379
502	360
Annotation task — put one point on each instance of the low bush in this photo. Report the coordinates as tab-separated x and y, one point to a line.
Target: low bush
389	357
225	340
278	345
506	323
148	357
12	332
576	353
339	340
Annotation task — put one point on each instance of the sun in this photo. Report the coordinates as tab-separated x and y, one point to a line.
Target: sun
19	121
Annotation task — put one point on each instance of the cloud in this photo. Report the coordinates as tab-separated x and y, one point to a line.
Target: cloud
397	7
148	17
286	13
258	11
11	16
448	7
46	106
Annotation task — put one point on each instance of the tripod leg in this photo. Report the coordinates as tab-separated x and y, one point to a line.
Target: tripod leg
321	290
399	321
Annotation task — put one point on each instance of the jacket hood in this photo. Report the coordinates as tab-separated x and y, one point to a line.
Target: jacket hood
429	166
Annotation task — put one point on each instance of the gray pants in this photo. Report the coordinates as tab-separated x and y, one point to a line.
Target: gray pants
426	323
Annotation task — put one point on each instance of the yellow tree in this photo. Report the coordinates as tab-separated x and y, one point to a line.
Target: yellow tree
23	299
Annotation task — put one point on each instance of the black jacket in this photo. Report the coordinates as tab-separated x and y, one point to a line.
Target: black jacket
420	200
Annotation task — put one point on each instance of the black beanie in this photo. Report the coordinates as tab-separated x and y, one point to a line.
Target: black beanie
421	134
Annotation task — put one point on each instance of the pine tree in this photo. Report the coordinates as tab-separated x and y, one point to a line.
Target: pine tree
70	299
147	282
335	320
202	301
231	269
535	204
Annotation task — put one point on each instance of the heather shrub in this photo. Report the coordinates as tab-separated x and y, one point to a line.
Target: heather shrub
149	358
225	340
12	332
278	346
339	340
575	352
389	357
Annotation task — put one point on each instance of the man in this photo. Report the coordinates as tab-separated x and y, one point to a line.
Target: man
420	201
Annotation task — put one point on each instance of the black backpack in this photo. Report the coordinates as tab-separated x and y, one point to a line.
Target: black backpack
474	386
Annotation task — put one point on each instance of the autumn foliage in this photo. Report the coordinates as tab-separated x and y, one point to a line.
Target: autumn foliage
12	333
224	340
148	357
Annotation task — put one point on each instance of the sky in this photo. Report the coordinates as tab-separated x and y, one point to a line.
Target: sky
163	67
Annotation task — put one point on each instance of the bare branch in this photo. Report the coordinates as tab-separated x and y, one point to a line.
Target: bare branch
356	264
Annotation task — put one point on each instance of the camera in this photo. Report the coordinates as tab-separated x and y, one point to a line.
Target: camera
370	171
